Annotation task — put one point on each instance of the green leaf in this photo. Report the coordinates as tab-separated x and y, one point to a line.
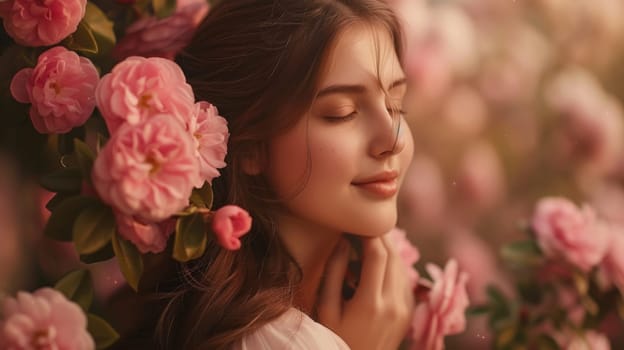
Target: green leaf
63	180
190	237
106	253
164	8
524	253
78	287
93	228
103	334
478	310
101	27
60	226
202	197
85	158
57	199
129	260
82	40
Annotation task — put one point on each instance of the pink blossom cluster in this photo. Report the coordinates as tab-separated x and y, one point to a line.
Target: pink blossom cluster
41	23
44	319
579	237
162	145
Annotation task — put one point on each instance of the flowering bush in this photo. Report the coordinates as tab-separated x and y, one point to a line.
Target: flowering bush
567	280
135	154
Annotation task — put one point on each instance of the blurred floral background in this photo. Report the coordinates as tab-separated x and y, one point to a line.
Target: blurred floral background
513	101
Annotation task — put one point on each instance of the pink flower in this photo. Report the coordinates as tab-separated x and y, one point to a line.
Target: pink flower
613	264
148	237
229	224
61	89
41	23
44	319
590	340
148	170
407	251
443	313
211	135
139	88
153	37
563	230
591	128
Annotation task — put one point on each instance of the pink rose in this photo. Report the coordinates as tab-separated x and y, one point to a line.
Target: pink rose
148	170
153	37
61	89
563	230
407	251
139	88
211	135
44	319
229	224
612	265
41	23
148	237
443	312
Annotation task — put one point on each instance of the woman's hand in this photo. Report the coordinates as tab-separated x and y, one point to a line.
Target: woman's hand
378	315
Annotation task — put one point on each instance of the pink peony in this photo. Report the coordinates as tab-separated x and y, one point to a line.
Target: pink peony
61	89
139	88
563	230
407	251
443	312
211	135
44	319
229	224
612	265
42	22
153	37
148	170
148	237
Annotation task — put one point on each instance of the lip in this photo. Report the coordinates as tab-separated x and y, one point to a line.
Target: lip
383	184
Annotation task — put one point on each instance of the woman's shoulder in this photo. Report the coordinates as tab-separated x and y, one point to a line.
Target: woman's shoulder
292	330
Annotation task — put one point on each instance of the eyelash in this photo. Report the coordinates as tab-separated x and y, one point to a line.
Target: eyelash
340	118
344	118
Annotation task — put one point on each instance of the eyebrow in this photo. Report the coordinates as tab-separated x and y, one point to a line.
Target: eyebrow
355	88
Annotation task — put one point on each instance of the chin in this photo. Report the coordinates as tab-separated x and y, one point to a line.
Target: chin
376	228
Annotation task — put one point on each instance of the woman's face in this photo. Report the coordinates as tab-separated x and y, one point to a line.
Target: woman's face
340	167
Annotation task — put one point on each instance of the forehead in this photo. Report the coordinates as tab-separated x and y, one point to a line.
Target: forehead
362	54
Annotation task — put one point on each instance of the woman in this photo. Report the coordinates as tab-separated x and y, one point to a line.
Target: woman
312	91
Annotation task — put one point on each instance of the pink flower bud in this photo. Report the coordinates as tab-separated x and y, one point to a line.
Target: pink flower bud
229	224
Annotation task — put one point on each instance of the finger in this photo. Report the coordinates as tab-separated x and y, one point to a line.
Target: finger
330	298
374	259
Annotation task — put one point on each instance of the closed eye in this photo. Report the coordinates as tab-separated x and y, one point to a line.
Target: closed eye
340	118
393	111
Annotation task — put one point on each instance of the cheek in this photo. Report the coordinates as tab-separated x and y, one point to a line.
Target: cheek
288	163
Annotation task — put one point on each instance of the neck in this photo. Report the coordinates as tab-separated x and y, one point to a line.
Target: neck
311	247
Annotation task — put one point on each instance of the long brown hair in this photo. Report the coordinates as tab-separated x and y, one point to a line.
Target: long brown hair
259	62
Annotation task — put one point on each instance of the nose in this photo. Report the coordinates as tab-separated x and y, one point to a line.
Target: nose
389	136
